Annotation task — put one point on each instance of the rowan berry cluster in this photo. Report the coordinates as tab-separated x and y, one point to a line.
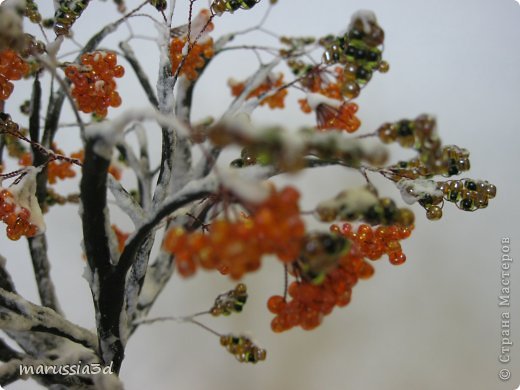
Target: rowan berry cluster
332	112
94	88
273	83
194	61
232	301
56	169
237	247
12	67
244	350
16	218
311	302
372	243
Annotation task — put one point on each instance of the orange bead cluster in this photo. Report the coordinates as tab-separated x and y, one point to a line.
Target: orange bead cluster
332	118
195	60
94	88
56	169
12	67
15	217
237	247
329	84
311	302
277	100
373	243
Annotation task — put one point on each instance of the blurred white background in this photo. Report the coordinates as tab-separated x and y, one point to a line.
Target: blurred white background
432	323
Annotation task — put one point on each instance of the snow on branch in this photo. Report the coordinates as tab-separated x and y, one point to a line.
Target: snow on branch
18	314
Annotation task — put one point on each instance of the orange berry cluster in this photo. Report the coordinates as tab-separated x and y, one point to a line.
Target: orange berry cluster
56	169
232	301
311	302
195	60
15	217
234	248
272	82
373	243
244	350
332	118
313	299
12	67
329	117
94	88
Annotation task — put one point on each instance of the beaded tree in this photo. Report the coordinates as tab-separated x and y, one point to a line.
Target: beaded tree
205	214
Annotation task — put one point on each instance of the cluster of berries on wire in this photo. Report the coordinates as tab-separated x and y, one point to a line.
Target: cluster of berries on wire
243	348
372	243
56	169
94	88
272	86
468	194
349	62
16	218
433	159
232	301
192	56
236	247
324	281
12	67
67	12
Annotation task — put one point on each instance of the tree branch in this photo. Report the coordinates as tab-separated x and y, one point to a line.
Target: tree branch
42	274
18	314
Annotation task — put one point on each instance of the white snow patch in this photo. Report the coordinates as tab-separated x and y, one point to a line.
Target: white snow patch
315	99
414	190
24	194
355	200
367	18
243	184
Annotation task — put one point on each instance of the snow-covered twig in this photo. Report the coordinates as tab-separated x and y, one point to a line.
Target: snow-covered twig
42	274
18	314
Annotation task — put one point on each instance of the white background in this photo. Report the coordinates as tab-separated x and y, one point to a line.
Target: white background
432	323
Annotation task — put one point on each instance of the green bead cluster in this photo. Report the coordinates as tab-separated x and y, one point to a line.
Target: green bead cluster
252	156
231	302
468	194
67	13
244	350
360	51
433	159
31	11
218	7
